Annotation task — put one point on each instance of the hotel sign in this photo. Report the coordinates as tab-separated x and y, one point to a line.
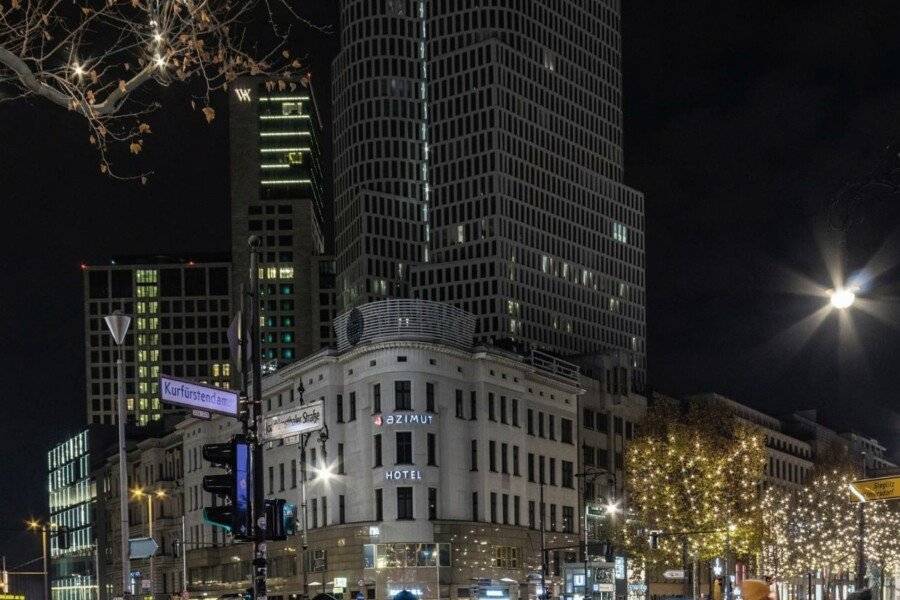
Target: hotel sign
403	419
303	419
403	475
198	397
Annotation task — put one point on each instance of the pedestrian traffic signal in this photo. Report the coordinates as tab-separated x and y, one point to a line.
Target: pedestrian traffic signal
281	517
233	487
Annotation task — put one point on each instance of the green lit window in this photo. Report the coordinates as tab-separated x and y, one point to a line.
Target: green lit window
287	321
287	353
287	337
287	289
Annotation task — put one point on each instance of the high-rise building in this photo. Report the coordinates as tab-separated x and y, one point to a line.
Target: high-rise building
478	161
279	192
180	312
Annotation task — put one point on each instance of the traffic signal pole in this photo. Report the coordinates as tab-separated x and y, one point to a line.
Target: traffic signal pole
257	510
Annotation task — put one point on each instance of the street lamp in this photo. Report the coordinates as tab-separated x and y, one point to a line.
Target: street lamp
843	298
139	493
36	525
118	323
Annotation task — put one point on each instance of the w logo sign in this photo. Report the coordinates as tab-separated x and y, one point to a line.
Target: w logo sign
243	94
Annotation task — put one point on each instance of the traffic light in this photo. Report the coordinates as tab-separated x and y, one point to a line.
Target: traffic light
233	487
62	538
281	517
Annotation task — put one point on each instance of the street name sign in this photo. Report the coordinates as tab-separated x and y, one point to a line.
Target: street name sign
880	488
294	422
139	548
197	396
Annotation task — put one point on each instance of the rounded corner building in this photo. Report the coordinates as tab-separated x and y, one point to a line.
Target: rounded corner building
478	161
447	466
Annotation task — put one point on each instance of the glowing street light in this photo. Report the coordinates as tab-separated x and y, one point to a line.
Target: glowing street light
612	507
843	298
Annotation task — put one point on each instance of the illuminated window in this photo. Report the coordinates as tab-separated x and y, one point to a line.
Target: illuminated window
286	272
620	232
215	370
271	272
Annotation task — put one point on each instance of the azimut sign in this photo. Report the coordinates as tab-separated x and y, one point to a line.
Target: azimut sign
403	419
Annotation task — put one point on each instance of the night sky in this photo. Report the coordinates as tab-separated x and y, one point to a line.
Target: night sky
743	121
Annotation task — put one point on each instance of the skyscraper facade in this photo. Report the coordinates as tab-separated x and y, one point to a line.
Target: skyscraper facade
478	161
279	193
180	315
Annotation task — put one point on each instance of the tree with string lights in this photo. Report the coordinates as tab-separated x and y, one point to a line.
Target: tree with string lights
816	530
100	59
695	473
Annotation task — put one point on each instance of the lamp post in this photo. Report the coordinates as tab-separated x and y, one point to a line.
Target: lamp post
325	474
160	494
35	525
118	323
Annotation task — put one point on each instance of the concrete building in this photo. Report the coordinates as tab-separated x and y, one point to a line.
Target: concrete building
155	475
790	459
870	454
280	192
478	161
181	310
438	450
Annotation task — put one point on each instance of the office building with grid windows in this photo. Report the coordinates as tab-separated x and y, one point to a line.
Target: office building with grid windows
479	161
180	312
279	192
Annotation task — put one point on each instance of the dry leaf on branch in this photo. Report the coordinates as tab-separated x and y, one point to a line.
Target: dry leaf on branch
210	113
122	87
135	147
93	140
144	128
103	168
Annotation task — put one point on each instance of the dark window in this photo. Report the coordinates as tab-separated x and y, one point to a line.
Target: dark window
565	434
340	408
551	426
552	471
342	510
404	503
376	449
404	448
540	424
121	284
492	456
352	416
505	506
491	409
503	409
170	282
504	461
459	404
568	516
195	282
402	395
429	397
529	421
218	281
432	504
602	422
340	468
376	398
473	406
588	418
629	430
379	505
98	284
432	449
541	470
474	456
515	412
474	506
530	467
493	507
531	514
567	474
587	453
617	424
515	459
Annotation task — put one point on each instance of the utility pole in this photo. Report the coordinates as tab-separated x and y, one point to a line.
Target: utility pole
184	581
861	537
46	569
257	510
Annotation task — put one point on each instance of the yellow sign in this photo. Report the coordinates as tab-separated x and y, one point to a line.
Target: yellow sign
11	597
869	490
